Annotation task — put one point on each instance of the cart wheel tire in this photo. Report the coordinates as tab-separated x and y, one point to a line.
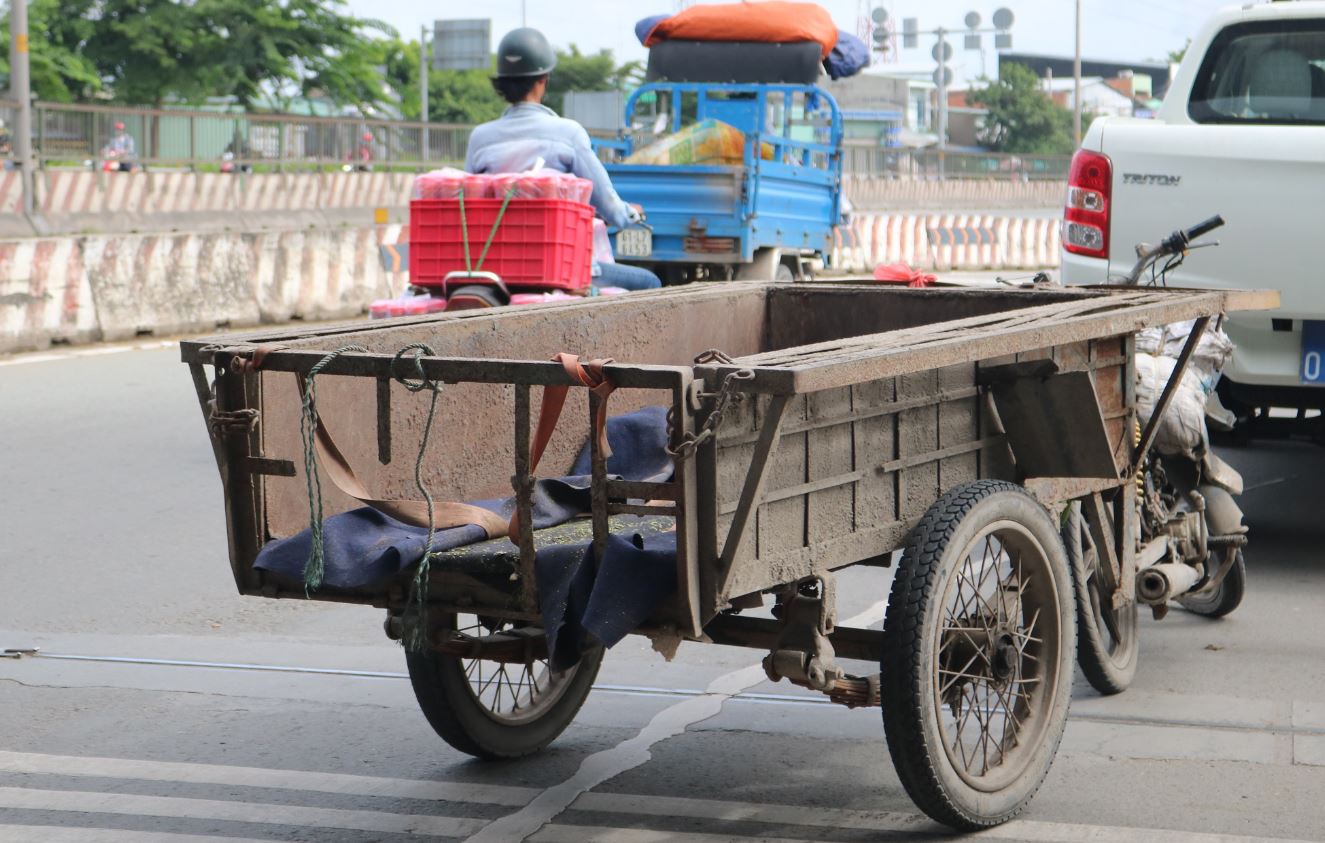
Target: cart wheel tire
461	709
474	297
1107	647
1026	654
784	274
1224	599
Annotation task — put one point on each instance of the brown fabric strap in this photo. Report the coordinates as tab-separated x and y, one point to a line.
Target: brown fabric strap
591	375
445	514
449	514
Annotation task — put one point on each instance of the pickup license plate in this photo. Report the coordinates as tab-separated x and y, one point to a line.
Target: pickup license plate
1313	352
634	243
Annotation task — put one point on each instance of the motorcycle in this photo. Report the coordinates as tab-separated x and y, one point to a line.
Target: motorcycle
1190	526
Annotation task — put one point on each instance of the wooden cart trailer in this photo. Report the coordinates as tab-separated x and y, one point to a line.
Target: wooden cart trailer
813	427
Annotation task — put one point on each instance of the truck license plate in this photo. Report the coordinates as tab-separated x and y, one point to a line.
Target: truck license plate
634	243
1313	352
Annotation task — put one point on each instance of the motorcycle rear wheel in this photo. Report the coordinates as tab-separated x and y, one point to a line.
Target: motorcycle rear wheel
1107	641
1222	600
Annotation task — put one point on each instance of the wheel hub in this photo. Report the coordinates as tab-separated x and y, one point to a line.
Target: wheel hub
1004	657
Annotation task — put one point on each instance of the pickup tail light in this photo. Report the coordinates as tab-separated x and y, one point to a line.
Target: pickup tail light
1089	197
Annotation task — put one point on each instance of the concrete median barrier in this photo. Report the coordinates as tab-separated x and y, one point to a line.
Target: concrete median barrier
114	287
947	242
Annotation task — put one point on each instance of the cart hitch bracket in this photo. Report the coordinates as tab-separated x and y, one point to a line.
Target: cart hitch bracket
803	653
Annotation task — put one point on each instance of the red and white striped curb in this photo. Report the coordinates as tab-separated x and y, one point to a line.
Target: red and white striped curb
11	192
947	242
44	294
114	287
65	192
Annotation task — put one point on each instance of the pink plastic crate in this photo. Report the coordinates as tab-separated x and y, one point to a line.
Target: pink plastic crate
541	243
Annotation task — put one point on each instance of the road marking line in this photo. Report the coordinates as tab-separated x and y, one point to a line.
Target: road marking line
94	351
338	783
75	834
885	821
603	803
631	753
1094	714
128	804
598	834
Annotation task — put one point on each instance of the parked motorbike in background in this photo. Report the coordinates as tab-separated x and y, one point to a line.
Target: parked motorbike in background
1191	530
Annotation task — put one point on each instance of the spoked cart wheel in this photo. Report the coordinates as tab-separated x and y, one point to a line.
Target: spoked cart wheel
492	708
1107	640
977	655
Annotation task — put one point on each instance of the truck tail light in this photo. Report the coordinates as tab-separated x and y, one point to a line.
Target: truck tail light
1089	196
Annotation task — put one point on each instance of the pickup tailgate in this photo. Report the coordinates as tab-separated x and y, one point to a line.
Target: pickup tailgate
1268	182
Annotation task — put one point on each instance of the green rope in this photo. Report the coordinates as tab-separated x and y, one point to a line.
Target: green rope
464	231
510	194
415	636
315	567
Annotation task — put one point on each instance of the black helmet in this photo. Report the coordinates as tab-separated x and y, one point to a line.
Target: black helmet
524	52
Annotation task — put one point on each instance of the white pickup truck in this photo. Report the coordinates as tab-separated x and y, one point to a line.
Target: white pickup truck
1241	134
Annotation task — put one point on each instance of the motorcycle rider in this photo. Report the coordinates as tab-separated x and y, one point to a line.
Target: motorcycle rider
529	131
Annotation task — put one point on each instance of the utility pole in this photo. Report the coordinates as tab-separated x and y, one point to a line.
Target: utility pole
524	12
1076	84
20	88
942	54
425	64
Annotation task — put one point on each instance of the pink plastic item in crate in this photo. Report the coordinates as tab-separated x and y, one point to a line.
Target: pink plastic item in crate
540	243
478	186
439	184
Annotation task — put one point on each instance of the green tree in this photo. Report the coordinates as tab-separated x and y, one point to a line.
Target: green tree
1022	119
1176	56
454	96
597	72
148	51
58	31
255	47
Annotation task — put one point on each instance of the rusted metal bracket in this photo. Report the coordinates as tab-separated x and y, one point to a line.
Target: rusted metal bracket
269	466
753	492
803	653
384	421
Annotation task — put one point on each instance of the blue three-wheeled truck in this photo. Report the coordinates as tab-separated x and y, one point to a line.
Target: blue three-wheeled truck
771	216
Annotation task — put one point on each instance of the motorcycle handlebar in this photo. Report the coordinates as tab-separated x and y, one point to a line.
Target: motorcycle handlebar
1178	240
1203	228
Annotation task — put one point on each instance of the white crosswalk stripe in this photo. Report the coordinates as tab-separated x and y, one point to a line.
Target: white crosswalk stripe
70	834
342	783
128	804
640	809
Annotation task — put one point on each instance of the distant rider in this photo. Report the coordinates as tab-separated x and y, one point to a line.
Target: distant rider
529	131
119	151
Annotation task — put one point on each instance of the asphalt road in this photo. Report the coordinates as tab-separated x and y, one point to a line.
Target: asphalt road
113	553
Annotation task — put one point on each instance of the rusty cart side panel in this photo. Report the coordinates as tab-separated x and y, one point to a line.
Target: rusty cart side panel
864	406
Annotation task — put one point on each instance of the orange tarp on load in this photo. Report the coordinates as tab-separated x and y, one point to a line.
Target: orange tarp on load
775	22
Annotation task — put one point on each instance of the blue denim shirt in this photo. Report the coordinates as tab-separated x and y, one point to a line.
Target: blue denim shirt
527	132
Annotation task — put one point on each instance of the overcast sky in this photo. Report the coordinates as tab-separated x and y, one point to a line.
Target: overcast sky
1113	29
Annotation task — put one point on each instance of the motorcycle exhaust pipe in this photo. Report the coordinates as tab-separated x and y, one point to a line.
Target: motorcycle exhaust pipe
1159	584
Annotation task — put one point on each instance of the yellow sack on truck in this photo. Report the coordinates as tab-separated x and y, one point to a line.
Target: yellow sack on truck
706	142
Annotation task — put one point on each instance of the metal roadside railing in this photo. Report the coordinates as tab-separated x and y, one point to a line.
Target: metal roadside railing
72	135
931	164
75	135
